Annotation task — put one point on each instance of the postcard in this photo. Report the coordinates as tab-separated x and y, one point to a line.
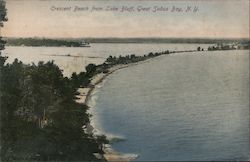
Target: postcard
124	80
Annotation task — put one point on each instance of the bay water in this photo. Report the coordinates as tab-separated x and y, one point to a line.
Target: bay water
186	106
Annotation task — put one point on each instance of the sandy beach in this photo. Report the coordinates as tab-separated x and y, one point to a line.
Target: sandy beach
84	93
83	98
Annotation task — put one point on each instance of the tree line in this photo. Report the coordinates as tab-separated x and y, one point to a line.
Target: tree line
34	93
42	42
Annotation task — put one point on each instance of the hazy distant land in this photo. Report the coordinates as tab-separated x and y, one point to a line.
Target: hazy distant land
76	42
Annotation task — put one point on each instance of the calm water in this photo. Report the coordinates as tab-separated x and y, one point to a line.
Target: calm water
191	106
180	107
81	57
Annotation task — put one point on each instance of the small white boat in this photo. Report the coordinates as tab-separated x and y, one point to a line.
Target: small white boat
84	44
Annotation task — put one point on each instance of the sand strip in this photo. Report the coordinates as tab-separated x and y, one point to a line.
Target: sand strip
84	97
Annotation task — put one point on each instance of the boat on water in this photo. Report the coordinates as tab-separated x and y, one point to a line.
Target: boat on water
84	44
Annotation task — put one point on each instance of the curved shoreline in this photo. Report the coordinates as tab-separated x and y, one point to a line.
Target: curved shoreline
85	93
99	78
84	98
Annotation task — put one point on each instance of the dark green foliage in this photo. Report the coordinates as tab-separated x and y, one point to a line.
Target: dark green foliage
33	93
2	19
112	60
27	91
80	80
2	43
2	13
42	42
150	54
90	70
101	140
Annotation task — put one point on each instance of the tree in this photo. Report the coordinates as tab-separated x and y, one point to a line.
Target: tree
2	19
90	70
26	91
150	54
102	140
3	11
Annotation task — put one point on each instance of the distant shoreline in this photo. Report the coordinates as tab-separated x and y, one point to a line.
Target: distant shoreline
76	42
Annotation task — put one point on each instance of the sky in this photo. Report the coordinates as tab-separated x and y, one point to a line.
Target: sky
58	18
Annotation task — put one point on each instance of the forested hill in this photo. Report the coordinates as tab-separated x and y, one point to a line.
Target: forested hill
39	119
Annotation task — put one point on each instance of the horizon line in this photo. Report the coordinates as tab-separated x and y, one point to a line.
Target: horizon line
44	37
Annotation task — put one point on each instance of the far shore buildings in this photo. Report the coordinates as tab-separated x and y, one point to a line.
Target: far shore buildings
230	46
